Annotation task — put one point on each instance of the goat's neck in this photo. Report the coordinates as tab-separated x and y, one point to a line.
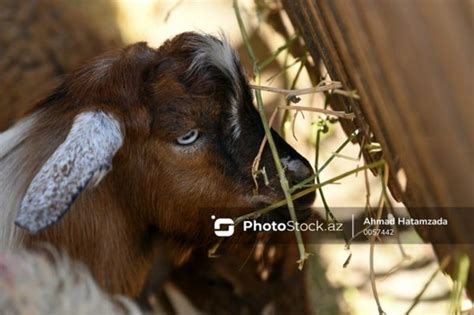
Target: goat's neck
98	230
101	232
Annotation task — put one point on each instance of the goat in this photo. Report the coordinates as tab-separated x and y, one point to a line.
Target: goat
177	124
255	279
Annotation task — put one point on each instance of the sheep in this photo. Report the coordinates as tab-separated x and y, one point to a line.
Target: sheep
31	284
136	148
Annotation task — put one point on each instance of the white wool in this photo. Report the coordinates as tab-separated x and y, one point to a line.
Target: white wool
12	177
31	284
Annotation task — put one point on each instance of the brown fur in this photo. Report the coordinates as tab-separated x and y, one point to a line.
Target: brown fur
260	278
43	40
155	193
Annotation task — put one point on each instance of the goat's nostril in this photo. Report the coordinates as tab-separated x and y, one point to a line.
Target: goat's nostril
296	169
296	178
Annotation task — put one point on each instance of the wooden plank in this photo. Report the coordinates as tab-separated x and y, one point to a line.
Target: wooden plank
411	62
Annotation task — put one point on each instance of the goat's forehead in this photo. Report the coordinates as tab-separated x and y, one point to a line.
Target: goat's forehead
203	57
208	51
202	75
175	119
193	64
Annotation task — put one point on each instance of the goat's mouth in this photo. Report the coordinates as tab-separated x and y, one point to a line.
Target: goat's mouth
282	214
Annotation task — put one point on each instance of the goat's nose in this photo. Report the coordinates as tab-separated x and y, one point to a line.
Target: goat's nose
296	170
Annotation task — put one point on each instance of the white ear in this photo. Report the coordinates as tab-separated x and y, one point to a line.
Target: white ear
82	159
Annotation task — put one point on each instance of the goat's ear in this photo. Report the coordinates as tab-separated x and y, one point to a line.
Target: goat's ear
82	159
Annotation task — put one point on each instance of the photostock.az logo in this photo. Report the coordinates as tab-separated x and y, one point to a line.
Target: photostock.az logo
223	227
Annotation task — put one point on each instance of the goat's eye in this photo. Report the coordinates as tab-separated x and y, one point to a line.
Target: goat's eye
188	138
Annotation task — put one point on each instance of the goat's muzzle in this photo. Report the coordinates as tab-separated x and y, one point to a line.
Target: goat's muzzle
297	170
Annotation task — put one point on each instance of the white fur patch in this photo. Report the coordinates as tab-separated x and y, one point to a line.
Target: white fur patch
82	159
12	137
235	120
31	284
216	52
12	177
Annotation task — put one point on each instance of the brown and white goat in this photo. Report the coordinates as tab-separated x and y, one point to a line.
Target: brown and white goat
179	128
